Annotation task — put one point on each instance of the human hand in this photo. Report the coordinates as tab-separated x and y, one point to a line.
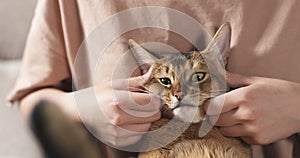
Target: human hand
125	113
260	110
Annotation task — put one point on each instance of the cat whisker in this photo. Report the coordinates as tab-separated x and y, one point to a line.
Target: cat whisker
175	107
134	89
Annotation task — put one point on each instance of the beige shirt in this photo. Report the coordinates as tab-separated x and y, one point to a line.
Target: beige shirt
265	41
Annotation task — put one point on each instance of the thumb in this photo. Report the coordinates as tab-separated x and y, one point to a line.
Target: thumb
133	83
140	81
235	80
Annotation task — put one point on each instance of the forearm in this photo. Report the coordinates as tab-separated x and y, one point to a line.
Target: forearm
63	100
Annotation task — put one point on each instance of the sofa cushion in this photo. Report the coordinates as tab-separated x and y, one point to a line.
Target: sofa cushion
16	17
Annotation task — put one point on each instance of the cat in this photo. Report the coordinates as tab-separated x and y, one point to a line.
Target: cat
62	138
184	81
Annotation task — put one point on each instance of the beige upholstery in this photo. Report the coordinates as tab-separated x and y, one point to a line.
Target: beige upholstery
15	18
16	139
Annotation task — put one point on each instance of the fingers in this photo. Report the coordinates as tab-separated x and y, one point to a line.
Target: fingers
249	140
125	141
224	103
133	83
122	141
246	133
118	116
237	80
234	131
131	119
229	118
137	101
124	135
256	141
126	130
137	128
137	105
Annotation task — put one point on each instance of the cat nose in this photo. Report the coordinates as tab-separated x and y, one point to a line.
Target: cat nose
178	95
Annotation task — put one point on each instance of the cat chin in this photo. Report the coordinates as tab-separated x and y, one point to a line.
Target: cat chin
174	103
189	114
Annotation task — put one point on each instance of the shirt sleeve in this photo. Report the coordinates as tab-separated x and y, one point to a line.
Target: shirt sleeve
45	61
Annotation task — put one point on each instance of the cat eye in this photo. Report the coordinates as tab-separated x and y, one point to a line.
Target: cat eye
198	76
165	81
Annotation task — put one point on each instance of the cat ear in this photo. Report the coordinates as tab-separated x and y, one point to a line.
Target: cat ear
141	55
222	40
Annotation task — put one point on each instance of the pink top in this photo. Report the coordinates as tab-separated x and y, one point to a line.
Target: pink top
265	40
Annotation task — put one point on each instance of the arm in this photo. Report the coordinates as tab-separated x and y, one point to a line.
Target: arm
121	107
46	63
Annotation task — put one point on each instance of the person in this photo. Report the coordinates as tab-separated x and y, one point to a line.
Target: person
262	108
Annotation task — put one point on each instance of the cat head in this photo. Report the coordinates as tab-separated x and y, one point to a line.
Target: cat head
184	80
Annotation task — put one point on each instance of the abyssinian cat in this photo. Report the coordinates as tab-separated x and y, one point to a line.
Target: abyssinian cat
184	82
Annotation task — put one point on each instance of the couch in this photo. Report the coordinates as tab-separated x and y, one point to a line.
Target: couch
16	139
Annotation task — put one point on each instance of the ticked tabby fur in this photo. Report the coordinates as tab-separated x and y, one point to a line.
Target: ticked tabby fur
184	82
